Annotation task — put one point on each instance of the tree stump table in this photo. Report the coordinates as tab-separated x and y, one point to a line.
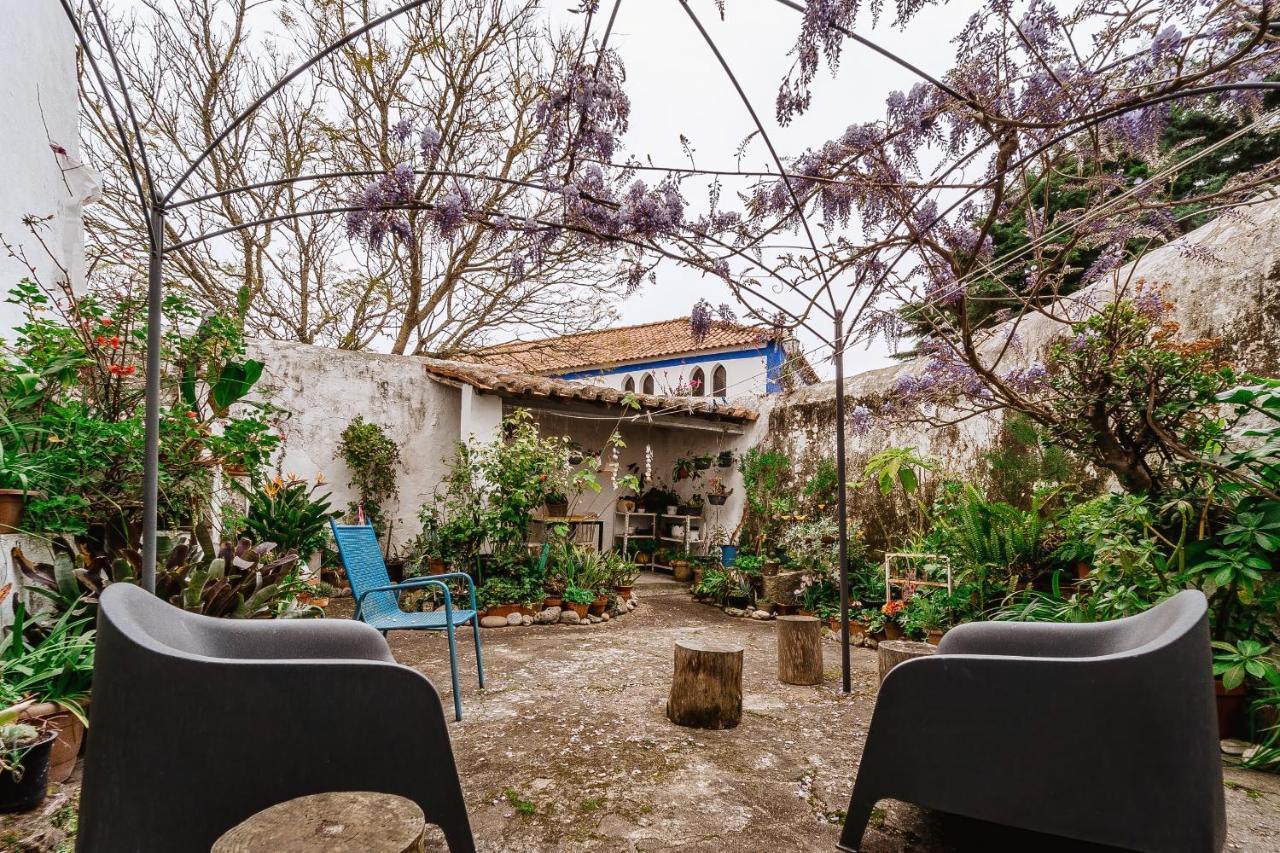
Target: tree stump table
894	652
799	649
339	822
706	689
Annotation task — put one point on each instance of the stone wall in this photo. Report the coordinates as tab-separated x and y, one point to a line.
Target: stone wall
1236	299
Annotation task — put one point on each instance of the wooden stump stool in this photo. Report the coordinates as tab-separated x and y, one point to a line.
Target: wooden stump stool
799	649
706	689
339	822
894	652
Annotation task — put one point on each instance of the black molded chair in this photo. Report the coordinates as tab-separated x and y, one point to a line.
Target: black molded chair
199	723
1102	732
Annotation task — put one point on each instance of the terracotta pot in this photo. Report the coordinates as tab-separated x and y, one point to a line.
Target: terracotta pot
892	631
12	503
66	747
580	609
856	630
551	601
1082	570
642	559
597	607
503	609
557	510
682	571
320	602
934	637
624	592
1230	710
787	609
626	505
436	566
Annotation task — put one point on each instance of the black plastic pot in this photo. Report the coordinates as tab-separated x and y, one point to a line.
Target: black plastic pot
701	464
717	500
28	792
725	459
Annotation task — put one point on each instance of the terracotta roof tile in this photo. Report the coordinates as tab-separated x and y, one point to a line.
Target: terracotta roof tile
614	346
529	386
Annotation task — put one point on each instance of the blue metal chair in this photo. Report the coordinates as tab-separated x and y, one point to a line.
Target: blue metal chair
378	599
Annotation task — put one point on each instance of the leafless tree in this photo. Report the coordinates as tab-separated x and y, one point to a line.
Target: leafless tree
472	70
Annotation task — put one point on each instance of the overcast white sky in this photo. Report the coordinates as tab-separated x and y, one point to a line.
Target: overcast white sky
677	86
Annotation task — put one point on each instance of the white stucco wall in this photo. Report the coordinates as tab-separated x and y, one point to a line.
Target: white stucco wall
39	104
325	389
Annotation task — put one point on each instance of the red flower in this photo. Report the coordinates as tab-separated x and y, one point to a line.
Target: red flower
106	321
115	341
130	370
192	415
101	340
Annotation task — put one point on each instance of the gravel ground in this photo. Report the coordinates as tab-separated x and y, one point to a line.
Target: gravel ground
568	749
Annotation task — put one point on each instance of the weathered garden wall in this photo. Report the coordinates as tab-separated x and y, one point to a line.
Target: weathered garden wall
325	389
1236	298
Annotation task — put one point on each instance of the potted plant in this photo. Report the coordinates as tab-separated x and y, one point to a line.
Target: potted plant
25	750
925	616
724	459
1233	665
624	579
683	468
500	596
627	504
738	593
717	493
701	463
319	595
578	599
557	505
892	610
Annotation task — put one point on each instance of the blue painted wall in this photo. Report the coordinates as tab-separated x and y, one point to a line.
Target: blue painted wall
772	352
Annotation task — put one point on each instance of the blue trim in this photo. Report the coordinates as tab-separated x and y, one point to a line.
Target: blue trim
643	366
774	358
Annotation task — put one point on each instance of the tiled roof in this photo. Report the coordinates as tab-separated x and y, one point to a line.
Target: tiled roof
619	345
531	387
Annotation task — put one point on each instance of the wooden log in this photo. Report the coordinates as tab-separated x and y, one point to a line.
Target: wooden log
783	588
894	652
339	822
799	649
706	689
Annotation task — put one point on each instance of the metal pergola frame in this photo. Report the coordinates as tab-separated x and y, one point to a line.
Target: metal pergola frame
156	205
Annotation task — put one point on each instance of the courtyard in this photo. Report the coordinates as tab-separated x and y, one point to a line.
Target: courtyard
569	749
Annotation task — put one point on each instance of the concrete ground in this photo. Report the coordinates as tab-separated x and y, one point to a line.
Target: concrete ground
569	750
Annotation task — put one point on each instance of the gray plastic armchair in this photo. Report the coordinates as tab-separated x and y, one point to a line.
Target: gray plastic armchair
1102	732
199	723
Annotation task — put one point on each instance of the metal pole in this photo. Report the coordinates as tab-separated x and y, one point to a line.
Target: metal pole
842	510
151	460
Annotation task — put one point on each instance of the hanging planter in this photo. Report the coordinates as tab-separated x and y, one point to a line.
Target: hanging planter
724	459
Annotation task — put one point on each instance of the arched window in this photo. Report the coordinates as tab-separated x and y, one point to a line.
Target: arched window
719	381
629	385
698	383
646	384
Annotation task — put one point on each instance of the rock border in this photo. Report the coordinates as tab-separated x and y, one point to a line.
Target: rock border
558	616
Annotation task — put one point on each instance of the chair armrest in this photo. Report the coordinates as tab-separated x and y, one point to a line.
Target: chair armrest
285	639
1029	639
